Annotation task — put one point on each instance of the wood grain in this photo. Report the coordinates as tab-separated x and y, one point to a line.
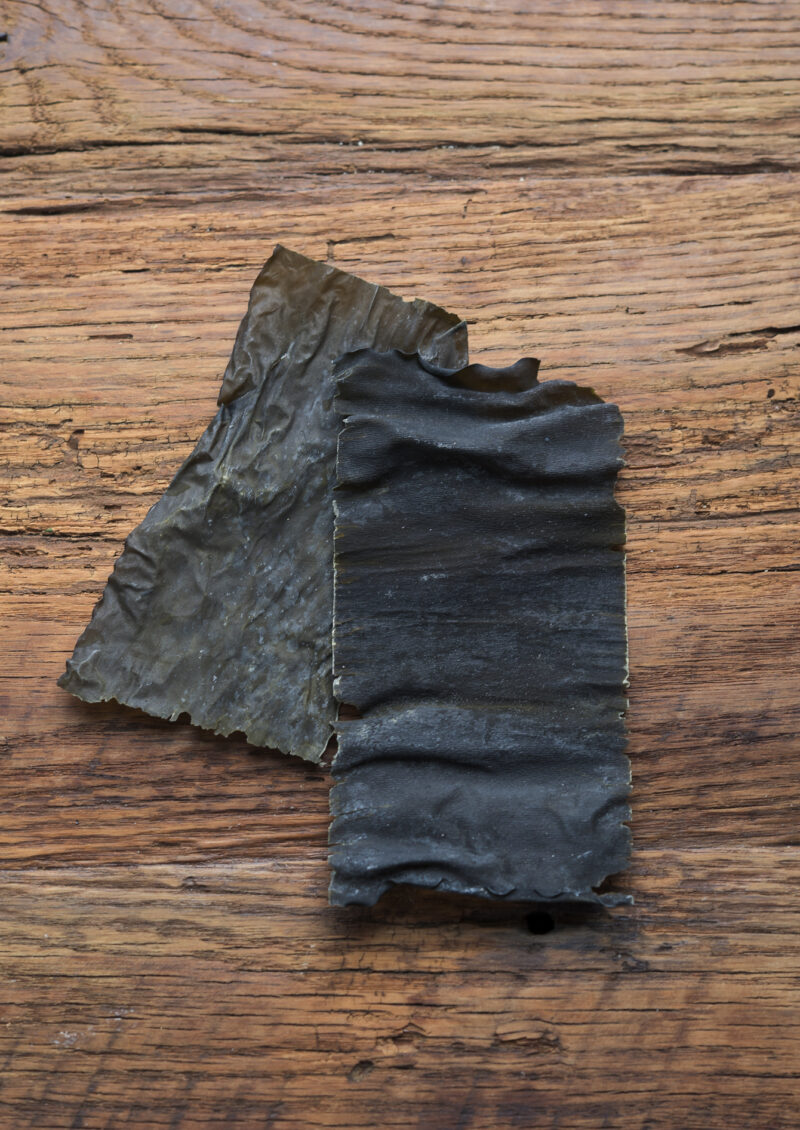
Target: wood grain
230	994
610	186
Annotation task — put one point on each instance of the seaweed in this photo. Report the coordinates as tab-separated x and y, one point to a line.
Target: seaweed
479	634
220	605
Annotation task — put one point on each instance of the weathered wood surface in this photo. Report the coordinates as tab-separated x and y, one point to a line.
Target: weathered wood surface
610	186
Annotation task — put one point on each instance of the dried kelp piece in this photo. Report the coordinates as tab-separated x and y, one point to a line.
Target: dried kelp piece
479	628
220	604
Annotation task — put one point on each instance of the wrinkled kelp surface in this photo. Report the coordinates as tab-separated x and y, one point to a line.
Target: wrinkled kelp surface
479	628
220	604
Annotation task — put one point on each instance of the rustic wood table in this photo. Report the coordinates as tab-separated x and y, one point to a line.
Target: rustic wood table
611	186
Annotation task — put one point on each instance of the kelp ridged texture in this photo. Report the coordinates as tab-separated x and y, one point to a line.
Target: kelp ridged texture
479	629
220	604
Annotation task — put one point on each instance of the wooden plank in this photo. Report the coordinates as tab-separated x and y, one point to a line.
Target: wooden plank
644	293
713	738
230	995
686	87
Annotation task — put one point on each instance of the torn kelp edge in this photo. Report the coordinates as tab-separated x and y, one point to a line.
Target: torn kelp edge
396	408
220	605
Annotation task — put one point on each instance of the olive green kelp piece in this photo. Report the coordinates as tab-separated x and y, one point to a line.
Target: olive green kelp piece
479	629
220	604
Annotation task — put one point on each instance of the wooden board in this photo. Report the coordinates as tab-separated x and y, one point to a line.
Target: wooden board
611	186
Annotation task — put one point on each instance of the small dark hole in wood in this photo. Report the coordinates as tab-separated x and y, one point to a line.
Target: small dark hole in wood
540	922
770	393
362	1068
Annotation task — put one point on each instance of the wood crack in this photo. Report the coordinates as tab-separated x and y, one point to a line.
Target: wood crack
721	347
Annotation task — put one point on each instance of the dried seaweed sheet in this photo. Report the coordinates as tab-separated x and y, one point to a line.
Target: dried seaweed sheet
479	628
220	604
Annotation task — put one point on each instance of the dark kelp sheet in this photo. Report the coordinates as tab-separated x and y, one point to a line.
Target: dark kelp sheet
220	604
479	628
